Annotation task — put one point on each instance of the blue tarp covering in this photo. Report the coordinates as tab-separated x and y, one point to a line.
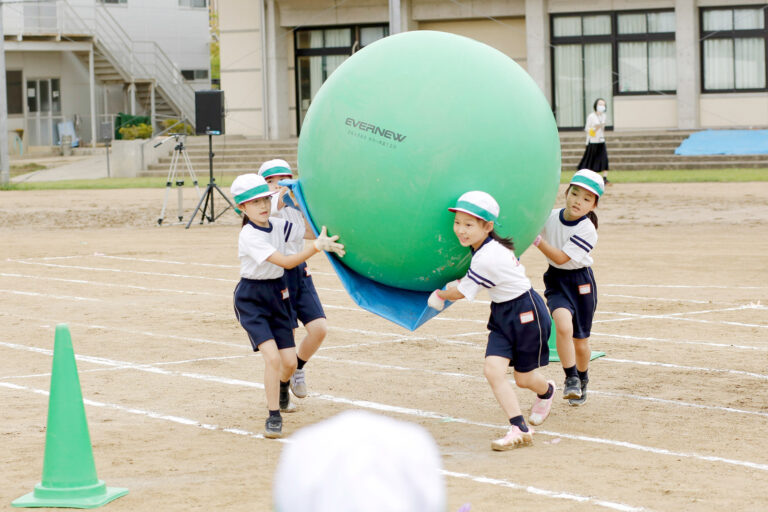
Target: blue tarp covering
725	142
406	308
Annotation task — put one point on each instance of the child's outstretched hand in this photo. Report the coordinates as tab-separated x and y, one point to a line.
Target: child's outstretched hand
323	242
435	302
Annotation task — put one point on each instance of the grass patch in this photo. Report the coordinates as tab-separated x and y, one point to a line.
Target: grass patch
652	176
114	183
682	176
18	169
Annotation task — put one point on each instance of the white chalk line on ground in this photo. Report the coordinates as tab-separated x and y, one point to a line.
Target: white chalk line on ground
677	342
687	368
462	376
689	286
678	316
207	426
50	296
96	370
113	285
172	262
377	406
626	316
122	271
397	339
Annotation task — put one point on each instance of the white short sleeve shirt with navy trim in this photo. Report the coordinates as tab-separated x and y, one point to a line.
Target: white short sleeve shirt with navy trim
576	238
293	215
256	244
496	269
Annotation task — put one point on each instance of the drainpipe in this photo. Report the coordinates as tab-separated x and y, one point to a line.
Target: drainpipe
5	166
395	20
92	84
264	92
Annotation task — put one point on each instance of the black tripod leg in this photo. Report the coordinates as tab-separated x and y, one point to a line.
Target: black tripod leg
204	197
226	199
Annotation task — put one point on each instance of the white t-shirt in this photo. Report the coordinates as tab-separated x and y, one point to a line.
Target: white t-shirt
576	238
256	244
495	268
294	215
595	121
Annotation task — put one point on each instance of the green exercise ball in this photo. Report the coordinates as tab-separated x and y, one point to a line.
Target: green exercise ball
404	127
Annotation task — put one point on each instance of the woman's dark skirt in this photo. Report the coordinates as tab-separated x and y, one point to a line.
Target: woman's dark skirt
595	157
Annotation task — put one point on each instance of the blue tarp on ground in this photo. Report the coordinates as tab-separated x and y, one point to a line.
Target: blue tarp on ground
406	308
725	142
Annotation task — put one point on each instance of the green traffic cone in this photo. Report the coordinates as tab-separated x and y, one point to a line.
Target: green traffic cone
69	473
552	343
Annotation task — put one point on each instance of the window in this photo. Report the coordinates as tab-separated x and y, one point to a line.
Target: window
646	52
582	59
195	74
319	51
599	55
14	92
733	52
193	3
43	95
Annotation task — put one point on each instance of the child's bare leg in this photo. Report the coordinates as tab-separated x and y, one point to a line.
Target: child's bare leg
316	331
583	353
532	380
495	370
564	332
287	363
272	358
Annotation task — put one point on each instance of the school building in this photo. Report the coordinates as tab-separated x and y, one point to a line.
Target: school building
659	64
80	62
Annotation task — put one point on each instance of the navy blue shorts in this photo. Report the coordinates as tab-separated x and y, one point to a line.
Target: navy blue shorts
304	300
263	311
576	291
519	331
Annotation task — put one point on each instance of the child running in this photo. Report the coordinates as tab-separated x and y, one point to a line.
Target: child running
519	321
261	297
567	240
304	299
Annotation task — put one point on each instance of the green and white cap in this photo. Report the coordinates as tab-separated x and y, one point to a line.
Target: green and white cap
248	187
478	204
589	180
276	167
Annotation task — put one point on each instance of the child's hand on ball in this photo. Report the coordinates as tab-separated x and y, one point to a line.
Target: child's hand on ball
323	242
435	302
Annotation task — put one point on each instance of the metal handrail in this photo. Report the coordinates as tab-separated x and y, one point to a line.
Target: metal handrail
132	59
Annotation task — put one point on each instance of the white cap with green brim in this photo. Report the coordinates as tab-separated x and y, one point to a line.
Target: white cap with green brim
589	180
276	167
478	204
248	187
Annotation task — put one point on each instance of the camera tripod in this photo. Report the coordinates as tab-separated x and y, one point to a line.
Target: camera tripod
179	151
208	194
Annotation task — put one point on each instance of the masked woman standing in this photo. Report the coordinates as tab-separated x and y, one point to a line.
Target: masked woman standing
595	155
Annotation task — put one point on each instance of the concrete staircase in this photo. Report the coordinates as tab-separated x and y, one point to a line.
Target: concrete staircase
236	154
629	151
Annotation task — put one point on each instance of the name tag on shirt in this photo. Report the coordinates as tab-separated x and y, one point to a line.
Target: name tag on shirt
526	317
285	293
585	289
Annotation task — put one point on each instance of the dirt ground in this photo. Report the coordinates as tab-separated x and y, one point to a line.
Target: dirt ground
677	417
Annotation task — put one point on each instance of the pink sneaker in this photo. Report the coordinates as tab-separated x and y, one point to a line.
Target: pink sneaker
514	439
542	406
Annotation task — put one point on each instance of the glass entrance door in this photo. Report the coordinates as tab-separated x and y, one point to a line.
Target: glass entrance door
43	111
319	51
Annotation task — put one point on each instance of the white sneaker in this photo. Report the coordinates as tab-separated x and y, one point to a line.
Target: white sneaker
299	384
514	439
